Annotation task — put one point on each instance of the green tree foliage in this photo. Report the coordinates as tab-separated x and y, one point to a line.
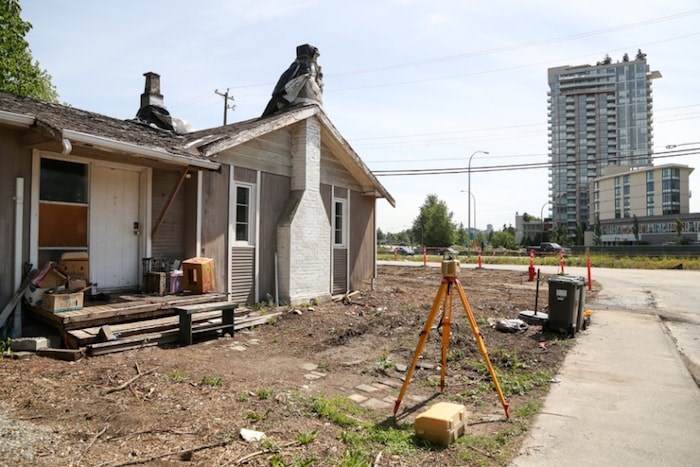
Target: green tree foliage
380	236
503	238
436	223
462	237
635	227
19	73
597	231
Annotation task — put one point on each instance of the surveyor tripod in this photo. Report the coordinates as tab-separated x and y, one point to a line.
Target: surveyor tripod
445	296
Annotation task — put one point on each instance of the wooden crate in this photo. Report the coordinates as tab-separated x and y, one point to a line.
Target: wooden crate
198	275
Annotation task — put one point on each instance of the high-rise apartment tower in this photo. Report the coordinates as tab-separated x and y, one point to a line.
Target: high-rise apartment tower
598	116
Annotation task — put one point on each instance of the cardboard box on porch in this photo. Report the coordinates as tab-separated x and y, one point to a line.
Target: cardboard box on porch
59	302
198	275
442	423
75	265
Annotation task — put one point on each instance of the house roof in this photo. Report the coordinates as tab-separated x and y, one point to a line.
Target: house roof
212	141
69	126
83	127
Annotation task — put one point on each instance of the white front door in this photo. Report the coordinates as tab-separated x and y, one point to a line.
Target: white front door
114	227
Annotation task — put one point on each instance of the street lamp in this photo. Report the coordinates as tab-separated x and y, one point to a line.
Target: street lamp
542	218
673	146
469	190
471	199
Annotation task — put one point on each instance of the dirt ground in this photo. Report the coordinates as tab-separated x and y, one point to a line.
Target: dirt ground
320	382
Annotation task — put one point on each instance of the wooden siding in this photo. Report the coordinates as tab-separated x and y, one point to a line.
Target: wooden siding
341	193
333	172
340	267
215	211
241	174
274	192
270	153
169	240
16	161
362	240
243	275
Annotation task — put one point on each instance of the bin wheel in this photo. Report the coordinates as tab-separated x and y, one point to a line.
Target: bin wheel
572	331
586	323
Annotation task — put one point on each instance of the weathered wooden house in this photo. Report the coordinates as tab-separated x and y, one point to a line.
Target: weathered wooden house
282	203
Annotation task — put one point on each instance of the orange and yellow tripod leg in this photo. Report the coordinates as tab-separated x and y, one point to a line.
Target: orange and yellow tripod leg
446	330
425	333
482	346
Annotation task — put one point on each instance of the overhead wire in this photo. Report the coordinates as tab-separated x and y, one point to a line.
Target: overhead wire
524	166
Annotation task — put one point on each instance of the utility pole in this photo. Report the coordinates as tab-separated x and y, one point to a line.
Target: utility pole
226	100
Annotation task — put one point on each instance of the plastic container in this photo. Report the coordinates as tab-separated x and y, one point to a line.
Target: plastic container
565	304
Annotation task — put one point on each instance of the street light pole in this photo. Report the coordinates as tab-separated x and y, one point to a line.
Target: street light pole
471	198
542	218
469	190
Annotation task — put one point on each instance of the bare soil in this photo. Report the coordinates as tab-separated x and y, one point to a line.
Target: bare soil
290	379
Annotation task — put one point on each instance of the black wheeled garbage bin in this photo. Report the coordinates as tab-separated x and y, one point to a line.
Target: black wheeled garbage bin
565	304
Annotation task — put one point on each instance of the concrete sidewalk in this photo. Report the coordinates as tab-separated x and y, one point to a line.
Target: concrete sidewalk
624	398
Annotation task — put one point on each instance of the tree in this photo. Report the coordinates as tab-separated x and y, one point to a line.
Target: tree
436	223
504	239
462	237
635	227
19	73
380	236
597	231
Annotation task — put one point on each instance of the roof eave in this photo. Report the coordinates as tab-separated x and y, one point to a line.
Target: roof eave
158	154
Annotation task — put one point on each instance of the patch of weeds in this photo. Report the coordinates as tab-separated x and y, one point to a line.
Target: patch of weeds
243	397
5	346
264	394
307	437
177	376
432	382
523	381
354	458
278	461
528	410
325	366
505	359
256	417
211	381
384	363
269	446
335	410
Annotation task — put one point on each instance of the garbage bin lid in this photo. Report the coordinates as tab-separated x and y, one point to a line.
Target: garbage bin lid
571	280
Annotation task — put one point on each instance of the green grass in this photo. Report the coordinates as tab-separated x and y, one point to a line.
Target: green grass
177	376
597	261
211	381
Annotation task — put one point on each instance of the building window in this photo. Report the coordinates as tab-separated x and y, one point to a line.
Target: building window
339	223
63	208
244	210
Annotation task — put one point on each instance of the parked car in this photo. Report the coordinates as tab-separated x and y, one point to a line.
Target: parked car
447	251
549	249
404	250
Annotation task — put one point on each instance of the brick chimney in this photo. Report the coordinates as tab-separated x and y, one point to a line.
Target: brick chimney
151	94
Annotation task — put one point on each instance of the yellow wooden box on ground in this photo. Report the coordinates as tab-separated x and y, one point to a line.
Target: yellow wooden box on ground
442	423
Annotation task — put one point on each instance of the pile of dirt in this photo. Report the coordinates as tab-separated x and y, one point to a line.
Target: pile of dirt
319	382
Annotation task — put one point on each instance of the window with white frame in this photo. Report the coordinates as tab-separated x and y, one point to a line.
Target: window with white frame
244	225
339	223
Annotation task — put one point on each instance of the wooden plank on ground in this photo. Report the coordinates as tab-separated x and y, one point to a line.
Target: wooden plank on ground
69	355
169	336
82	337
97	315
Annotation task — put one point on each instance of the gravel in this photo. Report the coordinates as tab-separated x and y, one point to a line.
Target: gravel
25	443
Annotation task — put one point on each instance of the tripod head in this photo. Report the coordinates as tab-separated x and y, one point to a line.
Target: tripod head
450	267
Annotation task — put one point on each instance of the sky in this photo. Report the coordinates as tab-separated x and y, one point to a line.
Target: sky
409	84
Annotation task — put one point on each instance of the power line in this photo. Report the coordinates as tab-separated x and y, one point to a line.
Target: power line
511	167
